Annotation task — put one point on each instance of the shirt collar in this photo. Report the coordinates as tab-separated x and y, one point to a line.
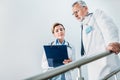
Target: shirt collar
87	18
58	43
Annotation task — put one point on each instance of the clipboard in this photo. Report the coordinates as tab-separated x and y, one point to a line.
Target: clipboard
55	54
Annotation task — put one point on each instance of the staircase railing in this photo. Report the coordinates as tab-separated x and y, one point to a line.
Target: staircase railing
113	73
76	64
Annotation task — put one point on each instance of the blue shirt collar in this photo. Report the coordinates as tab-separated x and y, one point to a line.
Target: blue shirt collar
58	43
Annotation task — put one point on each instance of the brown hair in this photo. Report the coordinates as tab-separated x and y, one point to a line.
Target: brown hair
56	24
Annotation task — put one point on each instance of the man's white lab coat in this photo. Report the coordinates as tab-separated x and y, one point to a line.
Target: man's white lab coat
98	31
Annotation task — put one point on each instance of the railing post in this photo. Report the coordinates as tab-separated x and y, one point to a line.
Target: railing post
115	77
80	74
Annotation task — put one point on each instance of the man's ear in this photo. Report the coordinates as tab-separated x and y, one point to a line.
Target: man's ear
86	8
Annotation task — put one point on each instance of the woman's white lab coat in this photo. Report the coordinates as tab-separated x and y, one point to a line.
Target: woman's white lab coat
98	31
71	54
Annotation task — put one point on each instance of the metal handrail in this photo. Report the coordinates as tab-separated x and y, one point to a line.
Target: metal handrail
59	70
111	74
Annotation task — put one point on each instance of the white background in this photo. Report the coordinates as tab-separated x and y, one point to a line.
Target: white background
25	26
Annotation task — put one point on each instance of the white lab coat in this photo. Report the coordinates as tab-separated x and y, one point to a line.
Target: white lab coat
71	54
98	31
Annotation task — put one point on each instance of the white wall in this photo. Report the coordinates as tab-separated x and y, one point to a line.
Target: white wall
25	26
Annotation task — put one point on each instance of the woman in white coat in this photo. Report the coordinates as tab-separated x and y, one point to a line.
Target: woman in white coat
58	31
99	33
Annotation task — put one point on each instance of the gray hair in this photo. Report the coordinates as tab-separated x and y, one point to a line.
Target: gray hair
81	2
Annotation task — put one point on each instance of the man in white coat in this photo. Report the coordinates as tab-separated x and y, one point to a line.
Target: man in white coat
99	33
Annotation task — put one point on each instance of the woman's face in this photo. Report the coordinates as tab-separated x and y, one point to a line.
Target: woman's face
59	32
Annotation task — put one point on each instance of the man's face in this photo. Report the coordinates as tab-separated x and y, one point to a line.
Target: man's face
79	11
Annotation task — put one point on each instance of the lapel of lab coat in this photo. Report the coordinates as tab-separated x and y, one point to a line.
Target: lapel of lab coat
87	36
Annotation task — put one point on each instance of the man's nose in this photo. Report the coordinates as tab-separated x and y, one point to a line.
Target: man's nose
76	15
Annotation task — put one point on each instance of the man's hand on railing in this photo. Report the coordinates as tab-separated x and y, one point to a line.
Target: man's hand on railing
66	61
114	47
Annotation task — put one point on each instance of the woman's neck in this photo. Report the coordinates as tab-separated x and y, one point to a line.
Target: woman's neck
61	40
